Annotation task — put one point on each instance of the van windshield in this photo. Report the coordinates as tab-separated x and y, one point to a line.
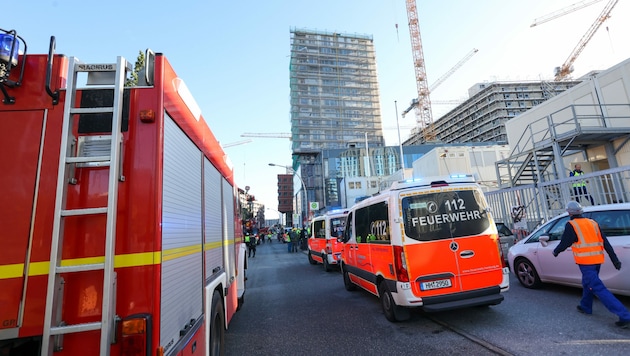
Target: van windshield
444	215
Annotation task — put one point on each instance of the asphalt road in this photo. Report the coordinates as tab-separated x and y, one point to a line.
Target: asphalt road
294	308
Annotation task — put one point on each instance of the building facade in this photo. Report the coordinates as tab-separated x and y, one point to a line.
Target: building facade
482	117
334	91
335	103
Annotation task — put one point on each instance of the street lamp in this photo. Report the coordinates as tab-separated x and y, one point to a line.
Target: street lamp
291	170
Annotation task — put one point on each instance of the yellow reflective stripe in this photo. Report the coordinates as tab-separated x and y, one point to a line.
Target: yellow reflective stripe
212	245
174	253
592	253
138	259
38	268
11	271
120	261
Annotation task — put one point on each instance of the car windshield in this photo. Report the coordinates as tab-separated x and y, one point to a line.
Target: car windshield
444	214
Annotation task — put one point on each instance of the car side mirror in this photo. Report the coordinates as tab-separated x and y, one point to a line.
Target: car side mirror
544	240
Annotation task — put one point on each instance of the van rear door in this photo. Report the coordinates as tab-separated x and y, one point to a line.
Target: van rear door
450	244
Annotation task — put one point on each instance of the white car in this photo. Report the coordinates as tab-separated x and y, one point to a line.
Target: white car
534	264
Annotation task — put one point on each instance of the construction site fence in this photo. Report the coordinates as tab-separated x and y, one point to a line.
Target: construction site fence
523	208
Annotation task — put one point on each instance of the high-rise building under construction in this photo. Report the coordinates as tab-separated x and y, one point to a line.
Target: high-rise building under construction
334	92
335	104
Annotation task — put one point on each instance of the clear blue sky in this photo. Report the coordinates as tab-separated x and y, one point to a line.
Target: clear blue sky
234	55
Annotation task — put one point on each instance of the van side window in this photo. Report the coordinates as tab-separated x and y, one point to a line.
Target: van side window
372	223
319	229
347	233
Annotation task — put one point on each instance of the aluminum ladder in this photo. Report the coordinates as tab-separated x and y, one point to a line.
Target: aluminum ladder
110	76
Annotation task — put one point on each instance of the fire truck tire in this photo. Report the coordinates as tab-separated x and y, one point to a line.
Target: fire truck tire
346	280
392	311
310	259
327	266
217	326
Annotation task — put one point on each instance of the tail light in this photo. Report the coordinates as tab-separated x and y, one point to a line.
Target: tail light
136	335
503	258
400	265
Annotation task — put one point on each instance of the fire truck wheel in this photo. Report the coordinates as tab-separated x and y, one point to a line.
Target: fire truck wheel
310	259
346	280
217	326
392	311
327	266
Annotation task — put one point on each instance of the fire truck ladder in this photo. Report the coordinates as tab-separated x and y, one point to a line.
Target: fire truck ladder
107	76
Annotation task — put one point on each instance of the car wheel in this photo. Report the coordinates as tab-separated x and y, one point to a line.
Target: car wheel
346	280
527	274
310	259
327	267
392	311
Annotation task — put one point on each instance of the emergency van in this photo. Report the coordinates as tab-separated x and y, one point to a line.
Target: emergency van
429	243
324	245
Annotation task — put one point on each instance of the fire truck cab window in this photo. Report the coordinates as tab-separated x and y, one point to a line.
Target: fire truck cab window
444	215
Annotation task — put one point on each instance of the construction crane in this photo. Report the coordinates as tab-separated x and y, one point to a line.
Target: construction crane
565	69
554	15
423	107
267	135
432	87
236	143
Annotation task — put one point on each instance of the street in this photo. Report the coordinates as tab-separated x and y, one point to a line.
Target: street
294	308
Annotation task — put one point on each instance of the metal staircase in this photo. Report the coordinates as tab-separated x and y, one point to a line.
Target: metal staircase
112	77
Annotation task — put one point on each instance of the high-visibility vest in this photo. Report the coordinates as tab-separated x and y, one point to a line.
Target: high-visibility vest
580	183
247	239
589	249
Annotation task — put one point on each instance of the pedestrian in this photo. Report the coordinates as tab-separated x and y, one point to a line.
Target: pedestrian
252	247
588	243
303	239
288	238
296	240
579	187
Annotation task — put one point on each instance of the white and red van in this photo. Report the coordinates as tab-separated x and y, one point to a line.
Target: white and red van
323	245
429	243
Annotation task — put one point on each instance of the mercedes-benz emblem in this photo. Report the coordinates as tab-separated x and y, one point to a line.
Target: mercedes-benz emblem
454	246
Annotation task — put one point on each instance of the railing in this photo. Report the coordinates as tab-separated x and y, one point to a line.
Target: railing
545	200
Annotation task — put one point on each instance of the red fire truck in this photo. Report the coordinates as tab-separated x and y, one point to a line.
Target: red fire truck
120	219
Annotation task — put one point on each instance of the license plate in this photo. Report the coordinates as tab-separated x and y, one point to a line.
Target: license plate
440	283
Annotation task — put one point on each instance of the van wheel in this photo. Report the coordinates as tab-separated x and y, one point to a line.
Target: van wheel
310	259
526	273
327	267
392	311
217	326
346	280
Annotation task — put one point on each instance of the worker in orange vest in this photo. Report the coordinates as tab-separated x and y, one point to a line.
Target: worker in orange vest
588	244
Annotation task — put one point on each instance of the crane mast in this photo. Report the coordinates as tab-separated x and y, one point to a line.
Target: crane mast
567	68
423	109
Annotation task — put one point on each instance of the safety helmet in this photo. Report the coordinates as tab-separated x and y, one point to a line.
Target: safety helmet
574	208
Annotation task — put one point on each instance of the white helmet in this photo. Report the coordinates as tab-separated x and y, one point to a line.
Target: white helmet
574	208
